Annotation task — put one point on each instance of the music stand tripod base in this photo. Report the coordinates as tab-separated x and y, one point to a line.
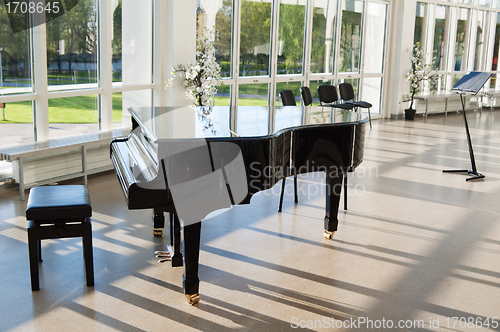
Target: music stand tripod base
476	176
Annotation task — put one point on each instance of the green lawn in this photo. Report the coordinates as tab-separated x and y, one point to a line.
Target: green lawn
81	109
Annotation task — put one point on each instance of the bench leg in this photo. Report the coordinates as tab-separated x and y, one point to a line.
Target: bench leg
87	251
33	246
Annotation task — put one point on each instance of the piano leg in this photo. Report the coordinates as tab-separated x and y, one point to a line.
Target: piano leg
295	188
333	191
282	193
345	191
191	250
158	222
174	248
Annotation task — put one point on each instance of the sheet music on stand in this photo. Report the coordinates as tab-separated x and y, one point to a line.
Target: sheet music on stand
470	84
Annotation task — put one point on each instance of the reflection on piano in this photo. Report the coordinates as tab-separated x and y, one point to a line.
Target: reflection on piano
185	162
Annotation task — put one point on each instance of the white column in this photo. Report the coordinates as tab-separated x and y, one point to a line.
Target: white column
39	74
402	31
180	45
105	65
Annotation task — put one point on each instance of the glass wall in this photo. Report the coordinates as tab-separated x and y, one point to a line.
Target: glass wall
350	36
463	23
73	115
291	36
15	57
255	37
16	123
420	31
72	46
217	16
72	85
464	39
323	36
481	39
441	28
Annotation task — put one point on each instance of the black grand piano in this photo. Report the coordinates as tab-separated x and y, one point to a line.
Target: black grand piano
186	161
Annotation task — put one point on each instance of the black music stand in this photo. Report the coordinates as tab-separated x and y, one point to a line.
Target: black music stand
470	84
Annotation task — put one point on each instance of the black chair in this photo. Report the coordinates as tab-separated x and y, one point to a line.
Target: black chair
347	96
287	98
328	96
306	96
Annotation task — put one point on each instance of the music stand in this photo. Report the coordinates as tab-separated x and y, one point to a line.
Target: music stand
470	84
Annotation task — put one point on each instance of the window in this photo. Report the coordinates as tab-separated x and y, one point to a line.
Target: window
441	31
323	36
255	37
481	40
291	37
15	59
350	36
460	43
218	16
420	31
72	46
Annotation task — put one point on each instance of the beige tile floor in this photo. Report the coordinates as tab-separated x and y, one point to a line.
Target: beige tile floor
415	247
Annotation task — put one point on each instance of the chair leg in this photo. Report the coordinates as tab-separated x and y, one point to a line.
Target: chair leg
87	251
282	192
33	254
370	118
295	188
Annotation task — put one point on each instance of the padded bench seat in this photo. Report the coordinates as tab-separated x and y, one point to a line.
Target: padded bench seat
59	212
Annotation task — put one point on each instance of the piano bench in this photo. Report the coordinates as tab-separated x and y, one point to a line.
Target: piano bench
55	212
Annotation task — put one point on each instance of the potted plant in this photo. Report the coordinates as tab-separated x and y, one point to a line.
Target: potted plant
201	77
420	71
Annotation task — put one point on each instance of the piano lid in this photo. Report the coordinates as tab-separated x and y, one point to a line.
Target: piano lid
200	122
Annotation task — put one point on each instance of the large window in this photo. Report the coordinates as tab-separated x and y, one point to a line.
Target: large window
441	27
71	98
461	39
350	36
420	31
72	46
291	37
323	36
15	57
255	37
217	16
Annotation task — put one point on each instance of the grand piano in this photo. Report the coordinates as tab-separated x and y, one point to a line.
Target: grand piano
187	162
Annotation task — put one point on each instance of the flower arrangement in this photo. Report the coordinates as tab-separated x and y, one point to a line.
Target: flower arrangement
420	71
202	76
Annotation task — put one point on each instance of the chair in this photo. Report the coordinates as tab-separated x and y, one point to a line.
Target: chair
328	96
58	212
347	96
287	98
306	96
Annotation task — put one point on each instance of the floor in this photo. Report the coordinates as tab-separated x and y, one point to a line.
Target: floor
418	250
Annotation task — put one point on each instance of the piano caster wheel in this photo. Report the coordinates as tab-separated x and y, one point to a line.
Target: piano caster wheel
164	256
193	299
328	235
157	231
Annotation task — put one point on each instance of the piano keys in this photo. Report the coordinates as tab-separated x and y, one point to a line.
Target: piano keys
186	161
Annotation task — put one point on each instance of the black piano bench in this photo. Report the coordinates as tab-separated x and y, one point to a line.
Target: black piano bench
55	212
